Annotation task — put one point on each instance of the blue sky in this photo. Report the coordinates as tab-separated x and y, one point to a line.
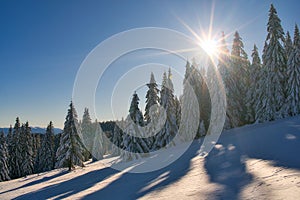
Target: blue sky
43	43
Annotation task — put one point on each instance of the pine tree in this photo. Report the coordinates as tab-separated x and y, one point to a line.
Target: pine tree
170	128
46	153
253	91
239	73
288	45
224	68
26	150
98	148
70	148
190	110
151	98
4	171
36	140
293	74
135	145
274	68
117	139
15	157
152	111
87	133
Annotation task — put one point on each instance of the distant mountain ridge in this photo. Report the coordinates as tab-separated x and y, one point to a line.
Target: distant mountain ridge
36	130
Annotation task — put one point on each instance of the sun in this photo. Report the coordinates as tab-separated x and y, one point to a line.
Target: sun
209	46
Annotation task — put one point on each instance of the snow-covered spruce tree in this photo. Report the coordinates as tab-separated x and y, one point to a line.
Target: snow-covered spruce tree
4	171
151	97
253	89
87	133
98	141
152	110
70	150
36	141
15	157
169	130
117	138
293	74
177	110
238	88
135	145
224	69
46	153
190	111
288	45
272	98
26	150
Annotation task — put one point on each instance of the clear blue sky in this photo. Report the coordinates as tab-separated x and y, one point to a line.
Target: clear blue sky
43	43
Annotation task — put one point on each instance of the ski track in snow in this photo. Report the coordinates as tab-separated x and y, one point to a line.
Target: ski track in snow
258	161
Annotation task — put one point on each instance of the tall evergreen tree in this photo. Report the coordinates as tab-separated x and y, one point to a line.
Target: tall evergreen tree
46	153
36	140
4	171
134	141
274	71
70	149
117	139
152	111
190	109
170	128
239	73
224	68
288	45
151	98
293	74
26	150
253	89
98	142
15	157
87	133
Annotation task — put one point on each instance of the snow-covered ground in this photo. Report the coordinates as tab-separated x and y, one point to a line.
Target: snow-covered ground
253	162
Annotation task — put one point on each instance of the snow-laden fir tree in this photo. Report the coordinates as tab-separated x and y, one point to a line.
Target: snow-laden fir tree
270	104
238	88
224	68
26	150
4	171
288	45
293	75
152	111
36	141
253	89
134	141
9	142
170	128
117	138
46	153
15	153
98	141
70	151
87	133
190	110
177	111
151	98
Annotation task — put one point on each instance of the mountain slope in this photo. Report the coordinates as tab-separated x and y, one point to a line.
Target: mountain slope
253	162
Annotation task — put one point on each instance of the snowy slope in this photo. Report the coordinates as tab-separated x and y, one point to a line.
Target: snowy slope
253	162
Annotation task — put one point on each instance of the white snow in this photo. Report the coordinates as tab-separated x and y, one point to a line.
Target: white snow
258	161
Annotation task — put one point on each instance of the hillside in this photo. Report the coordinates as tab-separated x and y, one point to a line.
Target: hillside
258	161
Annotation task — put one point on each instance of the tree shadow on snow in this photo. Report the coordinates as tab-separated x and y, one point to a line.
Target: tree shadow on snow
136	185
44	179
70	187
225	165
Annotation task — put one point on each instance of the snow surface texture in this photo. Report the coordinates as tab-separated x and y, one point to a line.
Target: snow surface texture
258	161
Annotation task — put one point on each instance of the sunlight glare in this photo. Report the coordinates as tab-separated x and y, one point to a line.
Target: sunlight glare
210	46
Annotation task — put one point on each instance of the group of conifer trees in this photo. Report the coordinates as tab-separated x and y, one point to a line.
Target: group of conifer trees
256	91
